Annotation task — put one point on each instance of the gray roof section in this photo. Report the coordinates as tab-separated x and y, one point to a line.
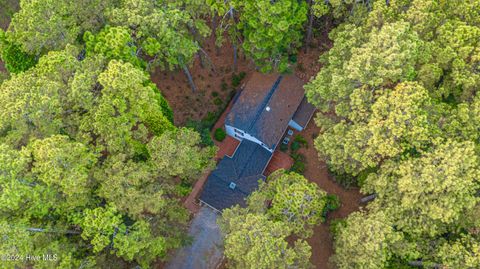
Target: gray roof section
244	169
266	105
304	113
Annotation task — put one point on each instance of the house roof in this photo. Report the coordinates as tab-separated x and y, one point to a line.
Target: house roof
244	169
266	105
304	113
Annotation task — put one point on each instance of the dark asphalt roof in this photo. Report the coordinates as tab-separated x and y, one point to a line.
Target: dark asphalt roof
304	113
244	169
266	105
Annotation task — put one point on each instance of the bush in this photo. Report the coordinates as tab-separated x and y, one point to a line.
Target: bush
283	147
214	94
333	202
206	139
298	163
237	79
224	85
301	140
344	179
295	146
217	101
220	134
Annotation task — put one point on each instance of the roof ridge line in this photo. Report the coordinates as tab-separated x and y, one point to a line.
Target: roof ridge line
265	102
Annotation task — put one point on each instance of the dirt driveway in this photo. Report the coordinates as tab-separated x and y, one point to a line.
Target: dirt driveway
206	250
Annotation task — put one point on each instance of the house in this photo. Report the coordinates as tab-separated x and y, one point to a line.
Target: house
261	113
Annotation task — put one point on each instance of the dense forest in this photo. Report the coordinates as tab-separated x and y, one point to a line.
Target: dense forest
94	169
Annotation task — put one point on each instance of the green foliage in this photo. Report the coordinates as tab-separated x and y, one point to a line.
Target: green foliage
365	241
255	237
224	86
42	26
294	201
88	164
295	146
237	79
220	134
176	153
301	140
344	179
15	59
217	101
271	31
427	190
399	96
298	163
113	43
253	241
163	30
332	202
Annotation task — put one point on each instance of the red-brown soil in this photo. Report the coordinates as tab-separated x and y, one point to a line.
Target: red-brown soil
316	171
195	105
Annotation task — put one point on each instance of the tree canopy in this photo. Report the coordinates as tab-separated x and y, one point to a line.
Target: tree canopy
397	96
84	154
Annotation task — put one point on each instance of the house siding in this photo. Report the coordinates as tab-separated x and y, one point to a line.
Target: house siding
240	135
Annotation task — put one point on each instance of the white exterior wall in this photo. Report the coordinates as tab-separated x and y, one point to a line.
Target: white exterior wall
230	130
295	125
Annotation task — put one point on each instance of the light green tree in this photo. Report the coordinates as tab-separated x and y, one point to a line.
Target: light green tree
365	241
293	200
177	153
271	30
427	194
254	241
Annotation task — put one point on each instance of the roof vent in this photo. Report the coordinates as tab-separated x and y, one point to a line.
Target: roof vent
267	108
232	185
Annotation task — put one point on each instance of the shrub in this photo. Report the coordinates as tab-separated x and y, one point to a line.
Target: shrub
333	202
237	79
283	147
301	140
206	138
217	101
214	94
292	58
298	163
220	134
344	179
295	146
224	85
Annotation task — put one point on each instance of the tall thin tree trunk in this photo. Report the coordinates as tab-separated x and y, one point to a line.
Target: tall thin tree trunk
308	39
189	77
40	230
200	56
235	49
235	58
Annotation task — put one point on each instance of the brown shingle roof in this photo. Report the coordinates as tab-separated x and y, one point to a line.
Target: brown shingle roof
304	113
266	105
